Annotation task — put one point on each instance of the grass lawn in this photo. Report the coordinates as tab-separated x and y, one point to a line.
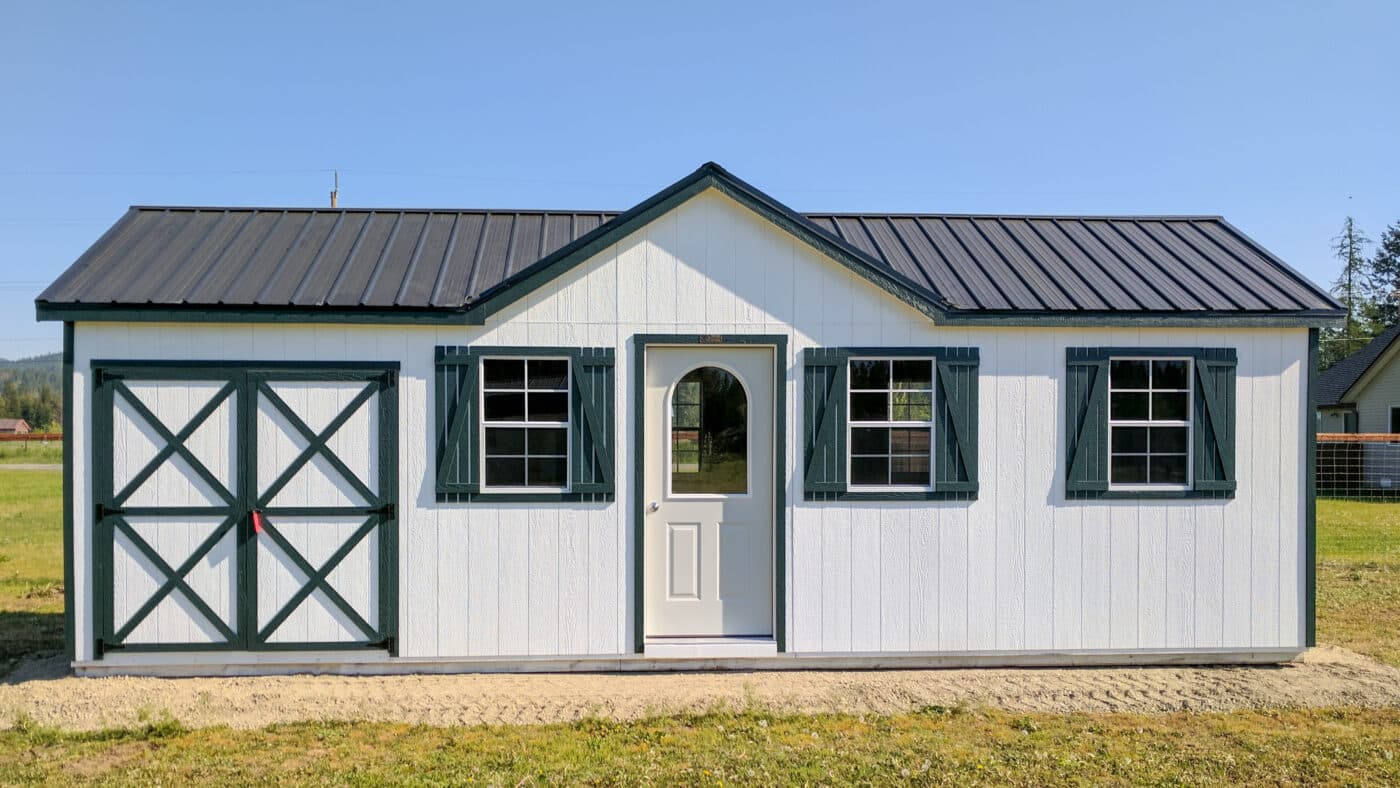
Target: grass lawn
1358	577
935	746
12	453
1358	607
31	563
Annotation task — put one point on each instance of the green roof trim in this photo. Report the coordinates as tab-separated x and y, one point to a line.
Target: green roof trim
184	313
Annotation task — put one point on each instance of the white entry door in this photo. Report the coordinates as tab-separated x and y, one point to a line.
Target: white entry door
708	496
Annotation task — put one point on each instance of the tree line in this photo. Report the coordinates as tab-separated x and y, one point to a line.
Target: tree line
1367	287
30	389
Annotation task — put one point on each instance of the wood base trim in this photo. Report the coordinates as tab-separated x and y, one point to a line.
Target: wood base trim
190	664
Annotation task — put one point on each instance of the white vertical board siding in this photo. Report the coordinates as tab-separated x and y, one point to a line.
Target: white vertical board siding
1020	568
1374	400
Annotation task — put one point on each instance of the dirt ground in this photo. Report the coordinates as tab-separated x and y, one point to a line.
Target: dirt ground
41	691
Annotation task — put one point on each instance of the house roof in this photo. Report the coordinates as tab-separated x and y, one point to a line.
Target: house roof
11	425
314	260
1334	383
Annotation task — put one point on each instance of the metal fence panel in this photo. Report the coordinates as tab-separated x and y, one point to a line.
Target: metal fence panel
1360	466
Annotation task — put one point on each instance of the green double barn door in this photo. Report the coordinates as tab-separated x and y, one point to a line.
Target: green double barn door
245	506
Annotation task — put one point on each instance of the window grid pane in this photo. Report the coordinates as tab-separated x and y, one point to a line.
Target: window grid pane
525	423
891	422
1150	421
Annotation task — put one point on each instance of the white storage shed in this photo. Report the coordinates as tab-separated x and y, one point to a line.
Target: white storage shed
705	432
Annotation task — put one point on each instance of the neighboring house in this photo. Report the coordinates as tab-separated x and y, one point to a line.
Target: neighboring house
14	427
705	432
1361	393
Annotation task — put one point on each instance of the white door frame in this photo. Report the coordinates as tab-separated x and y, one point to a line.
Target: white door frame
640	343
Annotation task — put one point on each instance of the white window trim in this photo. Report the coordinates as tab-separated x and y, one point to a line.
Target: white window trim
852	424
1187	423
483	424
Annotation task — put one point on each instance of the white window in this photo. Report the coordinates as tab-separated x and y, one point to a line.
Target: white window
891	423
525	424
1149	422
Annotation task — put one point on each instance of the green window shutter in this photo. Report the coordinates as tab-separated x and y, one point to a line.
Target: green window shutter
1086	421
824	423
593	417
456	414
955	421
1214	417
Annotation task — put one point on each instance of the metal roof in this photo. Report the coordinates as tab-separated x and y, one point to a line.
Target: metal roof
1336	380
1096	263
421	259
309	257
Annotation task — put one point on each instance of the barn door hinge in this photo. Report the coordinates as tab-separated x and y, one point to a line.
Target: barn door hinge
103	511
389	511
389	643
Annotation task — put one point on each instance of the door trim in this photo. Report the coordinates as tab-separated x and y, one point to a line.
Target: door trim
779	343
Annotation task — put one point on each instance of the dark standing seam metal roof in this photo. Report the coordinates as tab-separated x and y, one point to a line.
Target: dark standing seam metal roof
308	258
1336	380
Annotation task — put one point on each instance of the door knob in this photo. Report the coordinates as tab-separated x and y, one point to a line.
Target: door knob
653	506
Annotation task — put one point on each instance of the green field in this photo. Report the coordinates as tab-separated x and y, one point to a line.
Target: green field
31	563
15	452
1358	607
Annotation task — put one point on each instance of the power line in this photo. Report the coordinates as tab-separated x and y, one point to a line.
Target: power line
86	173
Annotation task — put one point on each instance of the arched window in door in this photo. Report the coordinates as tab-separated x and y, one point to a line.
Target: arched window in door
709	433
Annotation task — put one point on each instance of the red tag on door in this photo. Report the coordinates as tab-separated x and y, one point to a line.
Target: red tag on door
257	522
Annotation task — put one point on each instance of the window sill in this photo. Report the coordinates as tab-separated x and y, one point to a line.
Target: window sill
524	497
1148	495
893	495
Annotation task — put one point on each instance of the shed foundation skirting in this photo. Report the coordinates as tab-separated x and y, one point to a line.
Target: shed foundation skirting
192	664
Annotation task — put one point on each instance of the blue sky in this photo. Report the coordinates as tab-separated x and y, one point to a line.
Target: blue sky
1282	116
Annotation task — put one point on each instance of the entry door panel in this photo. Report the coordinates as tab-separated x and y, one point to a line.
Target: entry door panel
243	508
708	444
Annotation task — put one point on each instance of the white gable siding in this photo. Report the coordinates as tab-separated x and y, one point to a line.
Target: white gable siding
1378	396
1019	569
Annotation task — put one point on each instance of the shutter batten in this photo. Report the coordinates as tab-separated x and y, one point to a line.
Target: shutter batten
1214	413
592	412
456	411
955	426
824	422
1086	421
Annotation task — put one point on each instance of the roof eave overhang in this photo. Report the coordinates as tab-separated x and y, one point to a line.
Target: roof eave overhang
181	313
1093	319
187	313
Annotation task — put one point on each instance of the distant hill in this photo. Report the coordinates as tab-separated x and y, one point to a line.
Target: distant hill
34	370
32	389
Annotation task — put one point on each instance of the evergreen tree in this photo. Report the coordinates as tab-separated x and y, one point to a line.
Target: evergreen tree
1385	277
1353	289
